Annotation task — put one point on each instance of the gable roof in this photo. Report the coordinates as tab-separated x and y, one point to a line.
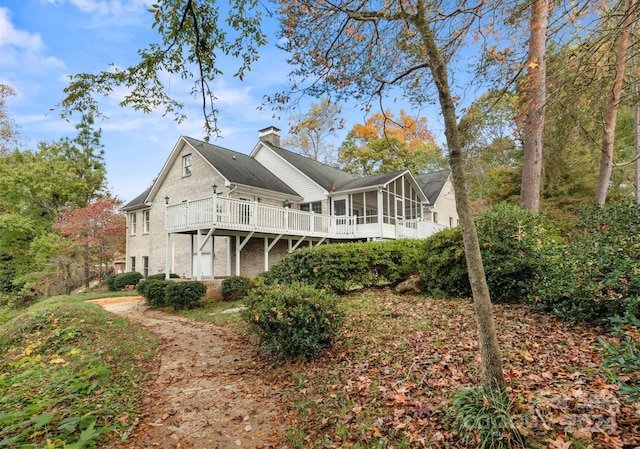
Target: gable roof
369	181
381	180
324	175
238	168
432	183
137	202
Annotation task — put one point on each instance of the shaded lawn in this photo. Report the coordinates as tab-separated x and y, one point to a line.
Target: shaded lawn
388	380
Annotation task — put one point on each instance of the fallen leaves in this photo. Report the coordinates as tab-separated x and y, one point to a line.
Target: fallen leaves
394	374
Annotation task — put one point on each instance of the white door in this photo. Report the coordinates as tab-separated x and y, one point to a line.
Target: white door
203	266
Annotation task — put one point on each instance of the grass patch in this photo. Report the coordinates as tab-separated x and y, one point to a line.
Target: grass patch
213	311
70	374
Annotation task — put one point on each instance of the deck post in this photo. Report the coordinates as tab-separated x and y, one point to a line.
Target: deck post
238	249
191	267
266	254
167	252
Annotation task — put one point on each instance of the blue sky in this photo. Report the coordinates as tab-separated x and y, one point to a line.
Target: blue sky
42	42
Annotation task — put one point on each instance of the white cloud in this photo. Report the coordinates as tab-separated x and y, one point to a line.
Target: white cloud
10	36
23	50
105	7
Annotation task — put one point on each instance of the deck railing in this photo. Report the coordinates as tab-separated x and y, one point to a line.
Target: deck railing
238	215
231	214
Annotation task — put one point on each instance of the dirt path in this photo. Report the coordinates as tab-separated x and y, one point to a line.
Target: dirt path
209	392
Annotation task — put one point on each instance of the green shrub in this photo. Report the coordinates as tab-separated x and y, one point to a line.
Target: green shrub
153	291
589	277
118	282
511	243
623	356
484	419
235	287
292	321
443	268
161	276
343	267
184	295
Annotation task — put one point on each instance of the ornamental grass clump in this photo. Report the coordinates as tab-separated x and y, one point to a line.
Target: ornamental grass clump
484	419
294	321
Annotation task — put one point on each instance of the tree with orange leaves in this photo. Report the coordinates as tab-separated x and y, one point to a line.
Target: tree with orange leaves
385	144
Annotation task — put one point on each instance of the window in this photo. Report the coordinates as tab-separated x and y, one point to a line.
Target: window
133	263
451	222
315	207
133	223
145	221
340	207
145	266
435	217
186	165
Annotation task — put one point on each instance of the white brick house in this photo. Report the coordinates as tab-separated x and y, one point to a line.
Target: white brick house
213	212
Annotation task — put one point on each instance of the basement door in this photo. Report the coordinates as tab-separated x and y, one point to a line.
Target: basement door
203	268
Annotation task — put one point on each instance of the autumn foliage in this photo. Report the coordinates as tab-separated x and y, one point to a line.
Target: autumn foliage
386	144
94	234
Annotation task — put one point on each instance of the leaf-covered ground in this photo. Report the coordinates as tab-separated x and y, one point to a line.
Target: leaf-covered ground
389	380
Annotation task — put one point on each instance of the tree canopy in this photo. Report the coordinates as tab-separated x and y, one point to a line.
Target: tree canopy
385	144
310	132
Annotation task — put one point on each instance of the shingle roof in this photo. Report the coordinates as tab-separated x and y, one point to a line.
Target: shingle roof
369	181
324	175
432	183
239	168
137	201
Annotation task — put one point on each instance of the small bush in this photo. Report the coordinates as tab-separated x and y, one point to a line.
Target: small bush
184	295
153	291
292	321
484	419
235	287
118	282
347	266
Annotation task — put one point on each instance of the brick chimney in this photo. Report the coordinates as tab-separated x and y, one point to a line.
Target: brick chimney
270	135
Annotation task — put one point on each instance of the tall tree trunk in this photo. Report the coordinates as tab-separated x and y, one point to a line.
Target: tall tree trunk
492	373
636	122
606	156
536	92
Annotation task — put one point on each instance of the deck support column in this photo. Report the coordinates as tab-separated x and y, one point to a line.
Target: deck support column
267	248
192	266
239	245
167	260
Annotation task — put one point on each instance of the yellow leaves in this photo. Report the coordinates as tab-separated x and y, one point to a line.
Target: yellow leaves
526	355
533	65
56	361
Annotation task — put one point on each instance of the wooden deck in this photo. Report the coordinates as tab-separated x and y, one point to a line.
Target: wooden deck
243	216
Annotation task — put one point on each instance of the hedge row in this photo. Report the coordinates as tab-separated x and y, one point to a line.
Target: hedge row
348	266
591	274
178	295
118	282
